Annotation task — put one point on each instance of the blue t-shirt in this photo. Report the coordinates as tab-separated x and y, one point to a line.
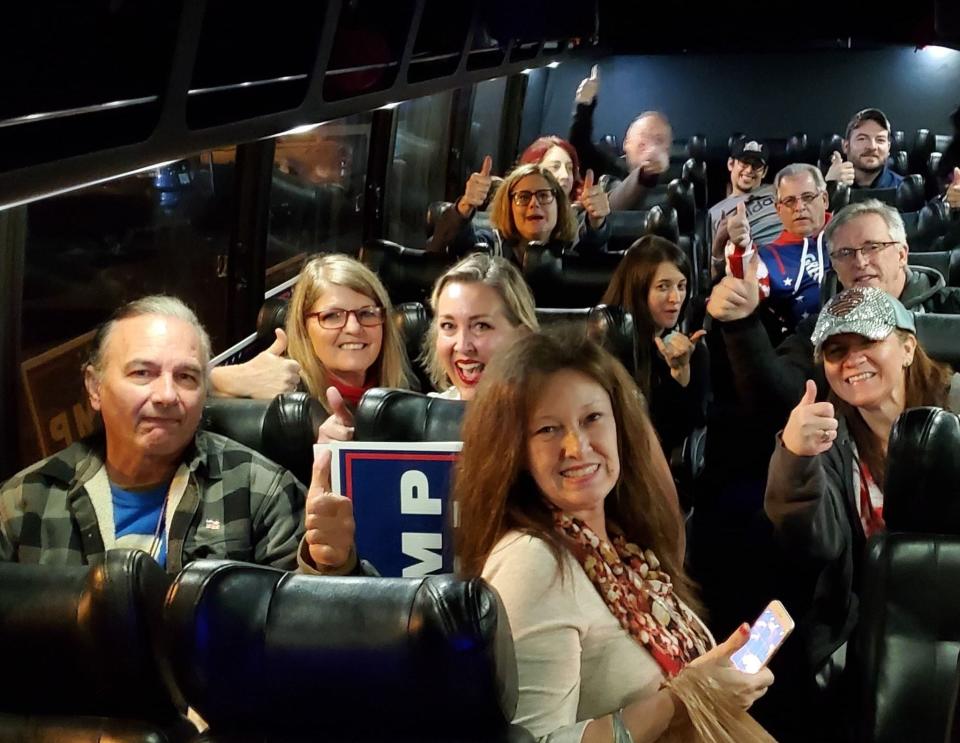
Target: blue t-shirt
138	513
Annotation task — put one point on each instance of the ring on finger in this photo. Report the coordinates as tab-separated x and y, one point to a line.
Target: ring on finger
824	435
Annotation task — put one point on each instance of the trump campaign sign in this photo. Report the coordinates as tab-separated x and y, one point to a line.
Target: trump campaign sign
400	494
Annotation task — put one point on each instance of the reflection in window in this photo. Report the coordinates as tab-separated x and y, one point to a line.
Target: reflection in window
316	194
418	171
91	250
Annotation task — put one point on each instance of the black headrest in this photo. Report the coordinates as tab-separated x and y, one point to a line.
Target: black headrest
796	148
609	325
78	640
683	200
910	193
282	429
900	162
560	279
408	273
898	140
697	147
884	195
401	415
258	651
947	262
626	227
829	144
434	211
922	489
412	319
938	335
663	220
272	315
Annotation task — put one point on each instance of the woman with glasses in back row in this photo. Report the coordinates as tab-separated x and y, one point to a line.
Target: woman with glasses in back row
530	205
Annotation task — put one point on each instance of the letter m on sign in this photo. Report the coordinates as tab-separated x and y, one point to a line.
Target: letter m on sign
420	546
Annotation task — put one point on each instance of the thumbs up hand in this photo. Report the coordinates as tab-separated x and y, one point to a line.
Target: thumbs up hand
339	426
588	88
840	170
952	197
738	226
328	520
735	298
812	426
477	190
263	377
594	201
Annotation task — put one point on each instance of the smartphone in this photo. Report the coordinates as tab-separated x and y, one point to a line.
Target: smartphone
766	635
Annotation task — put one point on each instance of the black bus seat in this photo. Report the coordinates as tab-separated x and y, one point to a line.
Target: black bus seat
78	642
345	659
407	273
400	415
906	644
283	429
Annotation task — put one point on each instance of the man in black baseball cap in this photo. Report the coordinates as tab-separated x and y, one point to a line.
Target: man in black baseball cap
748	167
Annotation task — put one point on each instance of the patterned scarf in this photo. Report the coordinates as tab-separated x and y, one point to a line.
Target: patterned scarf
638	594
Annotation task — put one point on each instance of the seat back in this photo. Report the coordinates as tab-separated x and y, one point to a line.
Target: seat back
909	633
947	262
401	415
424	659
560	279
938	335
609	325
78	640
282	429
408	274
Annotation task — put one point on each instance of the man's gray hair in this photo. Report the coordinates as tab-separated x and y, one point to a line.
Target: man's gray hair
155	304
798	169
888	214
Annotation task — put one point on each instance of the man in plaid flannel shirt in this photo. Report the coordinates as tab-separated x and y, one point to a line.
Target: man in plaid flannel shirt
151	480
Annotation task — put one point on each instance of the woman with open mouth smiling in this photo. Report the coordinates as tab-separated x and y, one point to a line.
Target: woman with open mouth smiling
480	305
825	486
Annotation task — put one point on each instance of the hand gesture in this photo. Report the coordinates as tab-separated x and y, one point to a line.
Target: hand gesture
738	227
477	190
733	298
339	426
745	688
952	196
265	376
840	170
588	88
594	200
328	519
677	348
812	427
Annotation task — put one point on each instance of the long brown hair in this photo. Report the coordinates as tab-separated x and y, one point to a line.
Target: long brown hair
494	491
926	382
630	288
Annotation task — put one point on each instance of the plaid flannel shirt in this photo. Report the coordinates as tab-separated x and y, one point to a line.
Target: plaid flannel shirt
238	505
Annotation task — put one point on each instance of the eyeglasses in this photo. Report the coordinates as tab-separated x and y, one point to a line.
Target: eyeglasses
753	165
791	201
544	196
867	250
335	318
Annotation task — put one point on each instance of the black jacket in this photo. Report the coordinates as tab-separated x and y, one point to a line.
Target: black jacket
811	502
772	379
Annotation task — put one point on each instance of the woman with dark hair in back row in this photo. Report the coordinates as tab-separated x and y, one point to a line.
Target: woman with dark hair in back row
652	284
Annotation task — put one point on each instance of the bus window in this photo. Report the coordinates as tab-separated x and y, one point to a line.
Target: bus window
316	194
87	252
418	172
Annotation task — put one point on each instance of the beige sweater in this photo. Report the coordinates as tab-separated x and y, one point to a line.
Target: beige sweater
574	660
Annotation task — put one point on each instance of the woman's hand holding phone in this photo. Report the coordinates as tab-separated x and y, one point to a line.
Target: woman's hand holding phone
745	688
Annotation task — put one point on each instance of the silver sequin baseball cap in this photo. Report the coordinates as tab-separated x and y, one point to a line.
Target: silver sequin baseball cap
865	311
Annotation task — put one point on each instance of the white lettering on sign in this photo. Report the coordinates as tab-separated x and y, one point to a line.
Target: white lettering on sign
415	495
419	546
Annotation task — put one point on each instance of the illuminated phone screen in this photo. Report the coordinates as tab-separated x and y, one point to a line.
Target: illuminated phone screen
766	635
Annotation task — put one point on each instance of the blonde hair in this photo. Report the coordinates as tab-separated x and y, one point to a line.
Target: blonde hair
497	273
391	368
501	211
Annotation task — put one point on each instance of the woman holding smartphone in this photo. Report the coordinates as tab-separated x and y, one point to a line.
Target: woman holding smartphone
583	545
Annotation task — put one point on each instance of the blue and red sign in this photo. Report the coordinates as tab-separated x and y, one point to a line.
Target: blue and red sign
400	503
